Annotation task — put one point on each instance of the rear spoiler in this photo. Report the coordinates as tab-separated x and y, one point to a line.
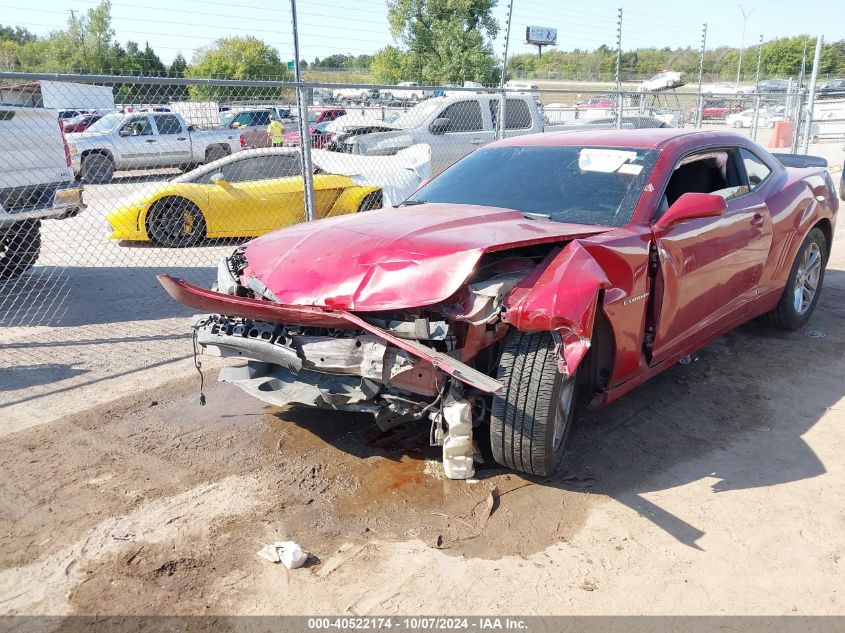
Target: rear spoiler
799	160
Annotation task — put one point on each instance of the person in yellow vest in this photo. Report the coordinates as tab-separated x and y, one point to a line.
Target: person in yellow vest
275	132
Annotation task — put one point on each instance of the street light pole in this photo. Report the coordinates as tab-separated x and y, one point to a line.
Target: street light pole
745	17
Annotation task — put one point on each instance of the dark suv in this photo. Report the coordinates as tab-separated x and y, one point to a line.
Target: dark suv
833	89
773	85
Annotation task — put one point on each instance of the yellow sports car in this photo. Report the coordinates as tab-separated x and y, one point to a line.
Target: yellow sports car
246	194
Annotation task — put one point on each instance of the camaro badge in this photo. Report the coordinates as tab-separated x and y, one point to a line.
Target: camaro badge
632	299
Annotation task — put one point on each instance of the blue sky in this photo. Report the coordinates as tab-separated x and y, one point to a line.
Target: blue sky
360	26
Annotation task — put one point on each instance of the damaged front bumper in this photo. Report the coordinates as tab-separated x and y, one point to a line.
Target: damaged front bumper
349	371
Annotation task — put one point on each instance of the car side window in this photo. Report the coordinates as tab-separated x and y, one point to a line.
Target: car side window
755	169
261	118
281	166
168	124
245	170
138	126
464	116
517	115
713	171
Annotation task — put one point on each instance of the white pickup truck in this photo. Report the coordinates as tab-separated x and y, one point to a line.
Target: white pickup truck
143	141
36	184
452	125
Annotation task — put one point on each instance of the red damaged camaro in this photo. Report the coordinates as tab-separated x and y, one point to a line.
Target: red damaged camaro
536	272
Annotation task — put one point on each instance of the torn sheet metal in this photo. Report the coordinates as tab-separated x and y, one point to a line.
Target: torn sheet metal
563	299
218	303
485	298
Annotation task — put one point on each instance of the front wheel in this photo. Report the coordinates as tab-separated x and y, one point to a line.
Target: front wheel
175	222
530	422
97	169
371	201
737	124
19	249
803	286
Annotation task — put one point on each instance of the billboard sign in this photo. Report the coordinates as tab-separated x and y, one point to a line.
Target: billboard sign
540	35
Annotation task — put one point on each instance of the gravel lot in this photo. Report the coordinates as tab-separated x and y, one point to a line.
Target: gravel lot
715	488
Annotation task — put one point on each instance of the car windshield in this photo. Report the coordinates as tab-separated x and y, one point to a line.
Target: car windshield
107	124
79	118
582	185
416	115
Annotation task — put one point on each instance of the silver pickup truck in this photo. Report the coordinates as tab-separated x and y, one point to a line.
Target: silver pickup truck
36	184
145	140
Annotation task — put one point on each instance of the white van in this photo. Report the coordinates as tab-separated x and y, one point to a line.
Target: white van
36	183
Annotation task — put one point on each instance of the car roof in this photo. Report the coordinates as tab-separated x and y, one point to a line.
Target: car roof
646	138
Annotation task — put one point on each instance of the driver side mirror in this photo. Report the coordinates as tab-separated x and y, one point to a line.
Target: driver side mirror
219	180
125	132
235	125
691	206
440	125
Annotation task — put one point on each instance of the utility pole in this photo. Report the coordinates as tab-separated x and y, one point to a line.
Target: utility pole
618	66
701	75
304	136
811	99
745	17
500	132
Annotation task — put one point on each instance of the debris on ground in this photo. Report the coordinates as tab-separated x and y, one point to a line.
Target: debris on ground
287	553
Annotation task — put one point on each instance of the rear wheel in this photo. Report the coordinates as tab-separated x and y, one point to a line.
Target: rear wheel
737	124
804	285
371	201
19	248
175	222
97	169
215	153
530	422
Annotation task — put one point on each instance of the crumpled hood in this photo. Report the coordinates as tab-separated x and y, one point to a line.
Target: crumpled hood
393	258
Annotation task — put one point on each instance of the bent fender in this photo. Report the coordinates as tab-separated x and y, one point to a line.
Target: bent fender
562	299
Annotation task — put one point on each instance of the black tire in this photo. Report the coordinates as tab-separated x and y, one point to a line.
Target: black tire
215	153
739	124
19	249
371	201
97	169
786	315
175	222
522	420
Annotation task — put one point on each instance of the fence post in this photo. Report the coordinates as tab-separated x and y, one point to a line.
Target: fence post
304	136
756	119
698	113
811	99
500	123
618	65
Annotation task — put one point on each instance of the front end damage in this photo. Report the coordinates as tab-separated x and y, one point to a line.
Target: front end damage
435	363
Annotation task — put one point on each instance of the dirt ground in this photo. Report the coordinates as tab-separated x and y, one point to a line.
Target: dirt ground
715	488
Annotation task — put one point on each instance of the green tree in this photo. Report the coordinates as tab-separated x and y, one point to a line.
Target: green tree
237	58
15	34
387	66
443	41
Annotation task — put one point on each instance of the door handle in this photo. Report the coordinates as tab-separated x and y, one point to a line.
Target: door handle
181	138
151	140
478	142
758	219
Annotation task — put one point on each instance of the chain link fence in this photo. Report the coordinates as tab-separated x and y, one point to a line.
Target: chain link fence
108	181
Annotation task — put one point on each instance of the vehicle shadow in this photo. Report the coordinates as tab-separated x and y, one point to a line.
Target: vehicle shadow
78	296
734	416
